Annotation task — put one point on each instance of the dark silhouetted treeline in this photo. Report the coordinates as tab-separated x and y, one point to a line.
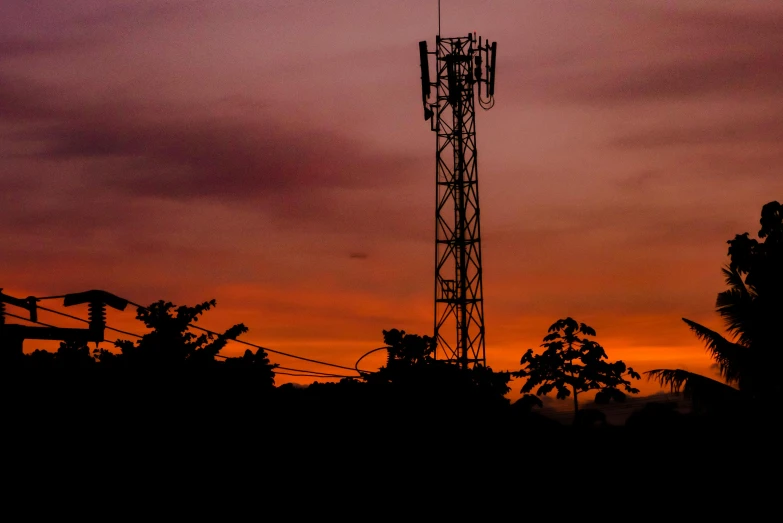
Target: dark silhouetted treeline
171	392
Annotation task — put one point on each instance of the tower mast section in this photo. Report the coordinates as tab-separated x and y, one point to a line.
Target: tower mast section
462	65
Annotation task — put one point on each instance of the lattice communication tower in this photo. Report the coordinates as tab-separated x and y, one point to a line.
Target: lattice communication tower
462	64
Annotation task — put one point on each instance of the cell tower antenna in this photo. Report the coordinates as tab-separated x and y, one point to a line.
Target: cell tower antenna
462	64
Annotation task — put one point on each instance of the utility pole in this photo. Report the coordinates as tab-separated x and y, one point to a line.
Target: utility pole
12	336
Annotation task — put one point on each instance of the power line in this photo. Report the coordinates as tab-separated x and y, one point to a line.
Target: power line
28	319
328	376
305	373
315	373
51	297
208	331
289	355
302	373
281	353
63	314
362	372
54	327
88	321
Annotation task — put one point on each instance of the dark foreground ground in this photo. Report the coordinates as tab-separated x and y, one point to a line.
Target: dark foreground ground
139	440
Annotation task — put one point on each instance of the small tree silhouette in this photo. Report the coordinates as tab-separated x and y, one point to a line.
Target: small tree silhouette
573	364
170	343
411	363
172	350
407	349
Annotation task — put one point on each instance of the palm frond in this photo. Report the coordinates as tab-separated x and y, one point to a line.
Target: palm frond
734	279
672	378
738	310
737	306
729	356
703	391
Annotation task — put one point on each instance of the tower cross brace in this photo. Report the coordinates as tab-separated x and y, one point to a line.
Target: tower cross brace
461	64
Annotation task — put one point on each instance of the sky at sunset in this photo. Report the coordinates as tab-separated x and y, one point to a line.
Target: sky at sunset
272	155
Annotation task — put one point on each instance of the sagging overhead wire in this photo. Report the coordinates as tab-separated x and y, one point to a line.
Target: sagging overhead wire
208	331
304	373
29	320
364	372
315	372
86	321
324	376
281	353
55	327
299	372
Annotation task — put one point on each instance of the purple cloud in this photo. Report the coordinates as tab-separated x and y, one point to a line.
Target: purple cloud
192	152
658	54
758	130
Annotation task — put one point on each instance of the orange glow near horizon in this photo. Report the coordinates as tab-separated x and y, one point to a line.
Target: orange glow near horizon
286	332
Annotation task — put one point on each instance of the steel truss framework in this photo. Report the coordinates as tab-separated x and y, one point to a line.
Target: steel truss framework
459	298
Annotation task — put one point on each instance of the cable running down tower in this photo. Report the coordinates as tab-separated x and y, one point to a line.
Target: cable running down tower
462	64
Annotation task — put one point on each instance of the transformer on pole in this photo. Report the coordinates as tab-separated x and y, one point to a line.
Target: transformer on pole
462	64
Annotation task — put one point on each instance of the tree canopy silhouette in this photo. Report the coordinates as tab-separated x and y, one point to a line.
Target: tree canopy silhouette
752	312
407	349
411	365
171	344
571	364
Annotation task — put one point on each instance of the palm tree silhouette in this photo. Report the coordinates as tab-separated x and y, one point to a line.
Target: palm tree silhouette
752	311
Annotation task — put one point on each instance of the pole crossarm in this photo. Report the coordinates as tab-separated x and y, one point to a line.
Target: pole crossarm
12	336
